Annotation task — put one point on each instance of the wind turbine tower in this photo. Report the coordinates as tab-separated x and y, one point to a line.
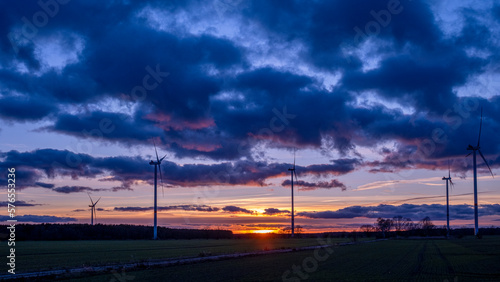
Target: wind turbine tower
157	166
292	173
475	149
92	209
448	179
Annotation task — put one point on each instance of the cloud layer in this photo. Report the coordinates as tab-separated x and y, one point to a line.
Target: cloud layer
35	166
226	87
415	212
212	92
39	218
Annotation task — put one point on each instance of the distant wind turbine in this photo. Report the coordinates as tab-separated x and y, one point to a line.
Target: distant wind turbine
448	179
157	166
474	149
92	210
292	173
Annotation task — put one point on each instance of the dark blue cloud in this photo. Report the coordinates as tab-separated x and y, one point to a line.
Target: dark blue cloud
202	208
272	83
216	96
20	204
32	167
39	218
327	26
45	185
415	212
78	210
275	211
106	127
75	189
425	85
308	186
235	209
25	109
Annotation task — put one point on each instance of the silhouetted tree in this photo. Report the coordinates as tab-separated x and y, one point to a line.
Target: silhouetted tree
427	223
413	226
367	229
49	232
401	223
384	225
298	229
354	236
285	230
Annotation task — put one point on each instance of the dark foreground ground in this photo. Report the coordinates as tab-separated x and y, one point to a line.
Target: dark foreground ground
465	259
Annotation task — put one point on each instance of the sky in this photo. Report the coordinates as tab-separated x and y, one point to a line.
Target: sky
375	101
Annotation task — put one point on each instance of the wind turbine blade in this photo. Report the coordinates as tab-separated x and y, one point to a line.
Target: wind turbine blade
97	201
90	199
451	182
157	159
449	169
480	126
163	157
161	181
468	154
294	158
486	162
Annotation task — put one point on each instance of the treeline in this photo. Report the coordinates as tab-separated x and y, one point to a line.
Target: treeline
57	232
402	226
399	226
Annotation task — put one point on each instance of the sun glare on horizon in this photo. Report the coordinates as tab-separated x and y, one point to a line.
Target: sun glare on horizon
267	231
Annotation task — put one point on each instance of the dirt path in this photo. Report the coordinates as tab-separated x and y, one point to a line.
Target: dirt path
446	261
418	268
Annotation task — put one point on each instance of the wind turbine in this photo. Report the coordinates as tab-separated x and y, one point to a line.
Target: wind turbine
474	149
157	165
92	210
447	201
292	173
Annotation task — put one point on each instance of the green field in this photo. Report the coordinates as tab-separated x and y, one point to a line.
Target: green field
393	260
48	255
465	259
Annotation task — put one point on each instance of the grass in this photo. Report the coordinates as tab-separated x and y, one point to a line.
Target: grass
47	255
393	260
